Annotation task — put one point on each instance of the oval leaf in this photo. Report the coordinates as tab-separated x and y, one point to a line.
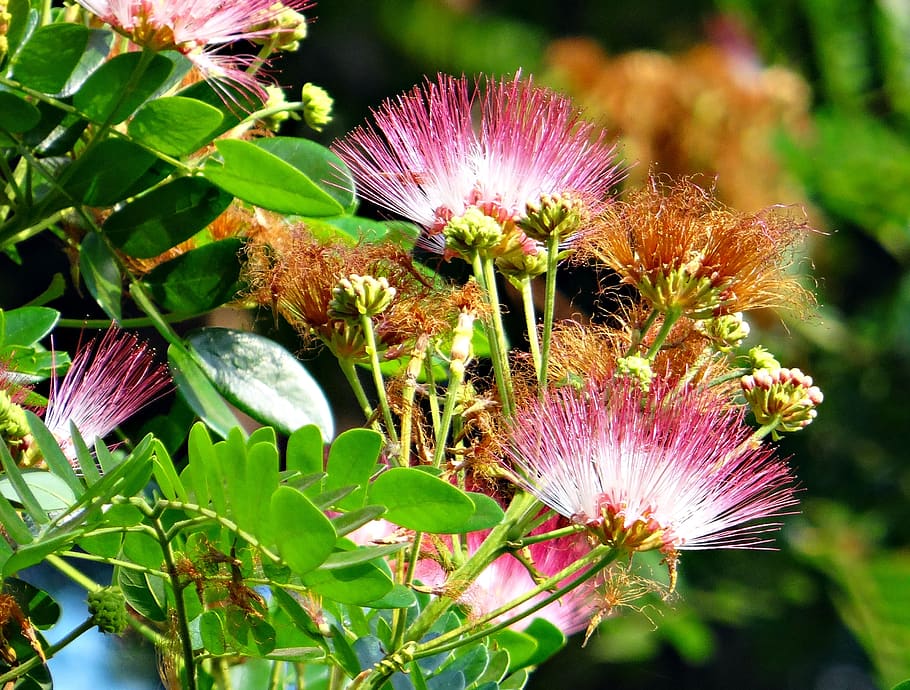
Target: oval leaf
107	173
51	492
304	535
16	115
263	379
323	167
47	60
27	325
419	501
118	87
199	394
165	217
263	179
174	125
101	274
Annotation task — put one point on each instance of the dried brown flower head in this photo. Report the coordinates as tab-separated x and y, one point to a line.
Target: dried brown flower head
688	254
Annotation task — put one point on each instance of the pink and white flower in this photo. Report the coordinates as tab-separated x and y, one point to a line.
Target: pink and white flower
506	579
667	469
198	29
500	145
108	381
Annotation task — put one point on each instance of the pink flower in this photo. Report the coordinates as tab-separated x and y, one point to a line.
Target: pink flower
198	28
667	469
506	579
444	147
108	382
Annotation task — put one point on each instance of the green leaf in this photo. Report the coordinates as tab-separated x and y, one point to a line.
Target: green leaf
352	461
174	125
262	378
52	454
107	172
357	228
199	280
114	91
38	606
257	176
27	325
144	592
34	553
17	115
549	638
359	584
360	554
321	166
399	597
13	524
348	522
166	474
47	60
305	450
51	492
164	217
199	393
101	274
251	485
22	21
420	501
21	491
211	630
96	53
487	513
301	549
515	681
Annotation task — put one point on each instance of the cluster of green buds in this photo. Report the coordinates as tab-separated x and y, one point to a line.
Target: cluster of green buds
13	425
107	607
685	290
317	106
357	296
782	400
554	215
637	368
725	332
472	232
287	29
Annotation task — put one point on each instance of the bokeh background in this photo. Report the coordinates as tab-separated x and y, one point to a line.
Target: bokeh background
804	103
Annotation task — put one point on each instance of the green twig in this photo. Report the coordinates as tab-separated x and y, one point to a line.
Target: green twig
549	308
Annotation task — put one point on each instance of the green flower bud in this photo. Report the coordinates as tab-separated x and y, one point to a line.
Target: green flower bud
318	104
725	332
13	425
554	214
275	98
760	358
471	232
107	608
357	296
289	28
637	368
781	399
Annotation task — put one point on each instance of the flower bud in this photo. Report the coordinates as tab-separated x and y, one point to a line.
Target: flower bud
636	368
471	232
317	112
107	608
760	358
725	332
357	296
288	25
553	214
782	399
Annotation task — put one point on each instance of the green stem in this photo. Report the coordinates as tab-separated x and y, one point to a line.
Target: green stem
432	397
671	316
415	364
74	574
456	379
486	276
549	308
598	558
645	327
366	325
349	369
32	662
766	429
400	615
527	300
138	322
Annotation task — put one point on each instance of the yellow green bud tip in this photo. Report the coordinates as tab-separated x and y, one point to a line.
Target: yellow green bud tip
318	104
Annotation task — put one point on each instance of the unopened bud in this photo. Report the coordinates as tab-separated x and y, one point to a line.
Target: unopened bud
107	608
559	215
725	332
317	112
637	368
783	399
471	232
357	296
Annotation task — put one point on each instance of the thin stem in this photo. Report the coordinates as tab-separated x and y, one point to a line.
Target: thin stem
349	369
138	322
401	615
645	327
432	397
484	272
415	364
366	325
17	671
527	300
671	316
456	379
599	558
275	675
549	307
74	574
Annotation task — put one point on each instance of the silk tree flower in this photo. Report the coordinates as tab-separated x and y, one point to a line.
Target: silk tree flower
199	29
502	146
108	381
664	469
688	254
507	579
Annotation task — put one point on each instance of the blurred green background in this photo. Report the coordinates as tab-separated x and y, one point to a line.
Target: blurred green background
795	102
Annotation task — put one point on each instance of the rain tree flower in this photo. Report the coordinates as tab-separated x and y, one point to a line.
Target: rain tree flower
503	147
109	381
507	578
688	254
199	29
664	469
